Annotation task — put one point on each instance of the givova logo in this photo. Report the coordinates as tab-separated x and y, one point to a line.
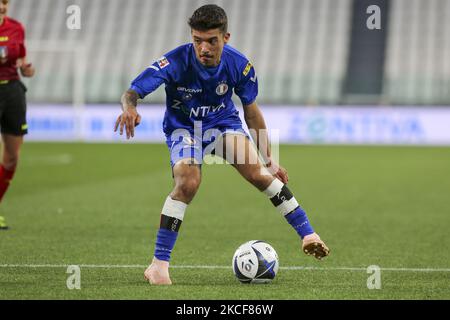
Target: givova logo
190	90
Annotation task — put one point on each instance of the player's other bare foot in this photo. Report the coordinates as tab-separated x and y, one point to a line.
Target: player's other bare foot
158	273
313	245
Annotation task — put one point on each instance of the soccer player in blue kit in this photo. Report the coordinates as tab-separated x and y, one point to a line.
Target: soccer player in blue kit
199	80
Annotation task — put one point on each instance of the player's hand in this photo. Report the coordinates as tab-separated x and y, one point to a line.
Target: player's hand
278	171
128	119
26	69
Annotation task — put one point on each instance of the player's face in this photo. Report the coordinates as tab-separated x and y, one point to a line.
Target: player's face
3	8
209	46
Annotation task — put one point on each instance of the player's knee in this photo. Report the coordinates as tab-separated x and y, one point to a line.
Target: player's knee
186	189
10	161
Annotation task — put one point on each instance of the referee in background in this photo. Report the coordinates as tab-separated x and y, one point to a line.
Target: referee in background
13	124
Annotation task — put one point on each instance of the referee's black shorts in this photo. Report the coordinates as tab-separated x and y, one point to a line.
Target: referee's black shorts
13	108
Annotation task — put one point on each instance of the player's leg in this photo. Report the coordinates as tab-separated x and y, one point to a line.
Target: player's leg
187	178
13	128
279	194
10	156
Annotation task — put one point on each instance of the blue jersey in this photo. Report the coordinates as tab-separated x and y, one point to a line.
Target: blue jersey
198	93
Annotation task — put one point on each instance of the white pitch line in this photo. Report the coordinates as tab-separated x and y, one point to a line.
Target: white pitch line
137	266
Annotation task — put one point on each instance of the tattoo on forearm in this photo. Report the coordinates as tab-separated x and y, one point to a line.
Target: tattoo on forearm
129	98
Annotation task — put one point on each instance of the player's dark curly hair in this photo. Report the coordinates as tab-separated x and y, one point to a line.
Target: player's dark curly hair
209	17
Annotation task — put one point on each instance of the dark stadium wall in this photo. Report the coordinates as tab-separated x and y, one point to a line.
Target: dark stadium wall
364	76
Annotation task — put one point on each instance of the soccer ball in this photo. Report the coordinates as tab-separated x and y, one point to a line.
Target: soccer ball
255	262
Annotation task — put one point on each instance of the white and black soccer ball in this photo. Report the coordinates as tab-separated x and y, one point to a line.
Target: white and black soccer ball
255	262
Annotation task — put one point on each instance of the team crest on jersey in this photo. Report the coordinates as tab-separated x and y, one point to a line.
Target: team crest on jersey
163	62
222	88
247	69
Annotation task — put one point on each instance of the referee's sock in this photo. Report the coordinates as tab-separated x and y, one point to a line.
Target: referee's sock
5	179
171	217
282	198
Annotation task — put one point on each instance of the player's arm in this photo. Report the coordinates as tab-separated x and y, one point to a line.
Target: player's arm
258	130
129	117
147	82
26	69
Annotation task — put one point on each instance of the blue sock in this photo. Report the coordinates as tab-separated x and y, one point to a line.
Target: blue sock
165	241
299	221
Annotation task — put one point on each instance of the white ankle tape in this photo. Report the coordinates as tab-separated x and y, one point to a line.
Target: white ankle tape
174	208
288	206
274	188
281	197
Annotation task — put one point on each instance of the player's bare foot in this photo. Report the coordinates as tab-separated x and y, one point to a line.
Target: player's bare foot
313	245
158	273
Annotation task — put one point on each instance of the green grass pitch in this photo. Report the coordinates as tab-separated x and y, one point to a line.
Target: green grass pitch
99	205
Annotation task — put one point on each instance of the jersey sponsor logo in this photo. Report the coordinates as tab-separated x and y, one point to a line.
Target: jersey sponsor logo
247	69
187	93
4	38
163	62
189	90
178	105
221	89
203	111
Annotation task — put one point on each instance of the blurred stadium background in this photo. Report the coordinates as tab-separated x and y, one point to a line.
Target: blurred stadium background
307	53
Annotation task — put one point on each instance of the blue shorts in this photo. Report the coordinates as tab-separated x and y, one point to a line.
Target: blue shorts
183	144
